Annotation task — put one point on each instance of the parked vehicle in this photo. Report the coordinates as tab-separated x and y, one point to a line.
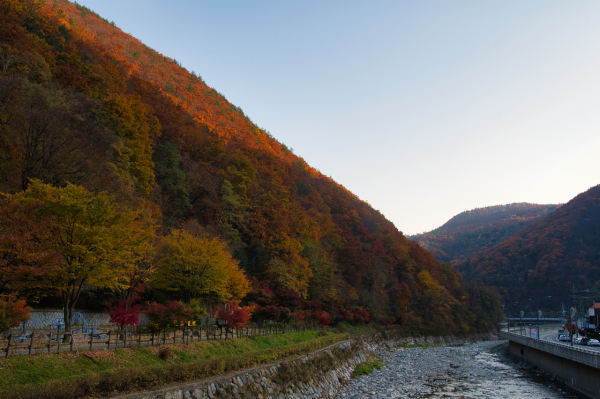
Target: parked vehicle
593	342
584	341
577	341
564	338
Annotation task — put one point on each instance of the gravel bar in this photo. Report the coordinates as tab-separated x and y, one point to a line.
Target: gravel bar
476	370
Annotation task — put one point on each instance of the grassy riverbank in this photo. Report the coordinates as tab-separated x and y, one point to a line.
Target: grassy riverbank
106	373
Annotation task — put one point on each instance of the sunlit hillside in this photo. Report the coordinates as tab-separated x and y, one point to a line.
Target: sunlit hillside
117	117
473	231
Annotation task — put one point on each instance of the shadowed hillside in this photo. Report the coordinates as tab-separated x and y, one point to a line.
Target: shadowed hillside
546	257
473	231
112	115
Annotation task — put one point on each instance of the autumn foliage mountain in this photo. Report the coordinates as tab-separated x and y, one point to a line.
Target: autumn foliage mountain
473	231
112	115
538	264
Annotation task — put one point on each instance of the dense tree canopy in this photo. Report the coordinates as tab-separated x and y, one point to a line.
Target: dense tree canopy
156	138
90	235
193	267
538	265
473	231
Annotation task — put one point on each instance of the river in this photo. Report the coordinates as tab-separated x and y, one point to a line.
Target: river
476	370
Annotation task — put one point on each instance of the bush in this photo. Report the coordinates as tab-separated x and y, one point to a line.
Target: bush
234	316
324	319
165	353
368	367
196	306
13	312
124	314
169	316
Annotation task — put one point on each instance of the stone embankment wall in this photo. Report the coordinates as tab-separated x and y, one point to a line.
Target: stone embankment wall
315	376
41	319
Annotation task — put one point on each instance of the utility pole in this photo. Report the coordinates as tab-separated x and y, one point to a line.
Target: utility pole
521	322
581	295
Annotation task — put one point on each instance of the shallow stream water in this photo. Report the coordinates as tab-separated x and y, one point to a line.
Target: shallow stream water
503	380
479	370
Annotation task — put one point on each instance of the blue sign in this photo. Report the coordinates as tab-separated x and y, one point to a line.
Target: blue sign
534	333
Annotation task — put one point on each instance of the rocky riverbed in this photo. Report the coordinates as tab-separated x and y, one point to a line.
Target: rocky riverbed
476	370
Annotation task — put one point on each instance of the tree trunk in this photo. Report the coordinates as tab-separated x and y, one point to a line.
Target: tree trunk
69	306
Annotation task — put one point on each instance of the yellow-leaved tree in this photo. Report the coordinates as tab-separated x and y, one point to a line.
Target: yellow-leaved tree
96	240
434	301
192	267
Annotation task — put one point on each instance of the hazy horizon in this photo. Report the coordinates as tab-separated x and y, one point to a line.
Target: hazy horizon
424	110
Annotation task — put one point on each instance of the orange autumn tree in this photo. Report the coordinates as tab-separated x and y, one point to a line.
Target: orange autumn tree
137	127
191	267
23	253
96	241
287	224
13	312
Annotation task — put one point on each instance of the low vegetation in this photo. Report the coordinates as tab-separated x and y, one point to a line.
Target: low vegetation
105	373
367	367
413	345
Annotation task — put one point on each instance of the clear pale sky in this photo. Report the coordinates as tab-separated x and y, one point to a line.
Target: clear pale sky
424	109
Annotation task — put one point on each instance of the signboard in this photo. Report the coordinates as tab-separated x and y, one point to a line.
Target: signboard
528	331
534	333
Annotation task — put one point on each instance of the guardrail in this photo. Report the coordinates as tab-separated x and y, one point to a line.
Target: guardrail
541	320
581	355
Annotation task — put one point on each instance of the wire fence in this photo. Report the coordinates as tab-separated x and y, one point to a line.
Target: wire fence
55	341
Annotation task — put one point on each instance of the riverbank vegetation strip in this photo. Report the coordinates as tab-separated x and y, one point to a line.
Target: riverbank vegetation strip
106	373
366	368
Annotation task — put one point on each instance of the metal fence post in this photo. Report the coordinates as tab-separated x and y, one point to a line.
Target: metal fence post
8	346
31	342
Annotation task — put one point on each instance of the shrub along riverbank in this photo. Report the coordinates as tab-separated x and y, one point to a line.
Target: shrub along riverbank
107	373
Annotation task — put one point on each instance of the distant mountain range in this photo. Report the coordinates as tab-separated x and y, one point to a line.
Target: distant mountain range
537	265
471	232
531	254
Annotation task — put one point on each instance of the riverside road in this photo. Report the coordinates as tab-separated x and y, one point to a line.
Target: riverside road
552	336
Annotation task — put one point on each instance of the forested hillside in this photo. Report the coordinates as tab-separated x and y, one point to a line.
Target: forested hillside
473	231
542	261
83	103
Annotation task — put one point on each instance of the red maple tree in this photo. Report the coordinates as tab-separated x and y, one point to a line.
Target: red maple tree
234	315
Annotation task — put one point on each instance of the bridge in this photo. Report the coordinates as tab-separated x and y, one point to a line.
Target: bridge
540	320
578	367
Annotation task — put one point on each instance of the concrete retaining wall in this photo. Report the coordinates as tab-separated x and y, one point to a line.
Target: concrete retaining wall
576	367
